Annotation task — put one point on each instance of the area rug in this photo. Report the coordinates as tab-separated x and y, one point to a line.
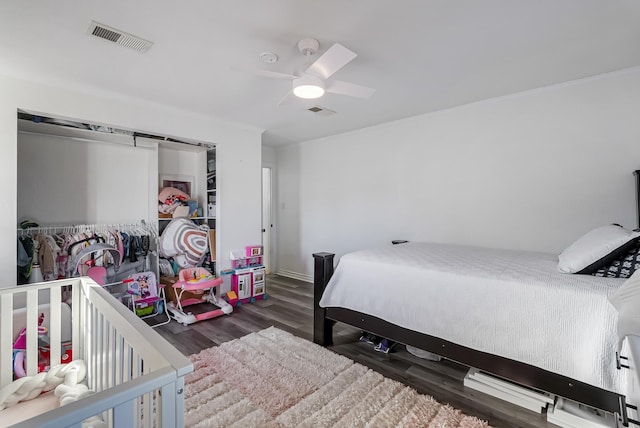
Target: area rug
274	379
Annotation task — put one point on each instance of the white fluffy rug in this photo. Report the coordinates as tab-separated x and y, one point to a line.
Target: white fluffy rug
272	378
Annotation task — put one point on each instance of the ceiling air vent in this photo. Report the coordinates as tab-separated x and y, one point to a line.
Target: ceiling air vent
321	111
120	37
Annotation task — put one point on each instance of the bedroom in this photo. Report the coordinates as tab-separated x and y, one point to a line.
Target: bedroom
532	168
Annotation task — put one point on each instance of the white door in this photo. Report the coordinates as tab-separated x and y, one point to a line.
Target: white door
267	226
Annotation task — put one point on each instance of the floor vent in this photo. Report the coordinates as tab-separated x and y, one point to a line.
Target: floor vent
321	111
120	37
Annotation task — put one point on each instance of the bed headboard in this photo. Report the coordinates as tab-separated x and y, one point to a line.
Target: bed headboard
637	174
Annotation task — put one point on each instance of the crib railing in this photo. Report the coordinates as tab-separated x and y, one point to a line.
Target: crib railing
137	375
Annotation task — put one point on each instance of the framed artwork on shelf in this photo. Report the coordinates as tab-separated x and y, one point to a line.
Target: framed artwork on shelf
184	183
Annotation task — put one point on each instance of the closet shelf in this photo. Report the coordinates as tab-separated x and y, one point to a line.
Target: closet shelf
190	218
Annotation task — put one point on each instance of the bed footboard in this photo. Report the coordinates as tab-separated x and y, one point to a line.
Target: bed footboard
322	272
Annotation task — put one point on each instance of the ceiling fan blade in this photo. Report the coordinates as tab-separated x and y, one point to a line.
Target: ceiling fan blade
288	99
336	57
266	73
350	89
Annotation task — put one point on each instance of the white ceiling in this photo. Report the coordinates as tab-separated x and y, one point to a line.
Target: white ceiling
420	55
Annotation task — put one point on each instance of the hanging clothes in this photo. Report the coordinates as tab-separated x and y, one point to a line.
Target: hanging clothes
48	252
55	249
25	259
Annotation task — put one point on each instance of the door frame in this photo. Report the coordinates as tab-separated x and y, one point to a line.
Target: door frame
272	226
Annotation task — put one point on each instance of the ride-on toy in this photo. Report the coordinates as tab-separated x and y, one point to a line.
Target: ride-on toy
196	286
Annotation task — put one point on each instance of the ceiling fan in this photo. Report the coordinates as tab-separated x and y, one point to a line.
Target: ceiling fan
316	79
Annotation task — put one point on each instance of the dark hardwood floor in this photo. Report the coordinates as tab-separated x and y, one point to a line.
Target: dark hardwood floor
289	308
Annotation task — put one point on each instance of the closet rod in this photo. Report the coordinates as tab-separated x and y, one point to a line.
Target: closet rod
123	138
141	227
124	141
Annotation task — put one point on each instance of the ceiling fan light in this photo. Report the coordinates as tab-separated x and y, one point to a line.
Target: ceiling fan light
308	91
308	87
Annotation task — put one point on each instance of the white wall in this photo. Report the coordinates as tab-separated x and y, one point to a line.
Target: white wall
268	155
238	150
529	171
187	164
67	181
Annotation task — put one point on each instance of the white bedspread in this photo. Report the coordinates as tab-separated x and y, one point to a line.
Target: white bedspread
514	304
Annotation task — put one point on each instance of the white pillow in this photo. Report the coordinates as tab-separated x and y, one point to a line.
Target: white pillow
596	249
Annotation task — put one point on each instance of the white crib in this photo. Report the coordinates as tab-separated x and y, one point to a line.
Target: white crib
137	375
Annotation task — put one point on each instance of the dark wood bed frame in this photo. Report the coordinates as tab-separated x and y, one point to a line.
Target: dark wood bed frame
524	374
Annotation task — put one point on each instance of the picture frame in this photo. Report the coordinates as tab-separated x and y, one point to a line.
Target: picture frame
184	183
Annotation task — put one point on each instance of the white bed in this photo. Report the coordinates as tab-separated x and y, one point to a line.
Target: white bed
512	304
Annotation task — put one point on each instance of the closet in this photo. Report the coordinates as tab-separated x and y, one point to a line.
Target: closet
71	173
191	170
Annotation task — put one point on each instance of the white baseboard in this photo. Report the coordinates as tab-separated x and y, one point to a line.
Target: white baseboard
295	275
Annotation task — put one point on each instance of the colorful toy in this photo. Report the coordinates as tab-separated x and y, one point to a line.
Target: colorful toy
145	298
44	351
142	287
248	276
196	286
91	261
20	348
254	250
